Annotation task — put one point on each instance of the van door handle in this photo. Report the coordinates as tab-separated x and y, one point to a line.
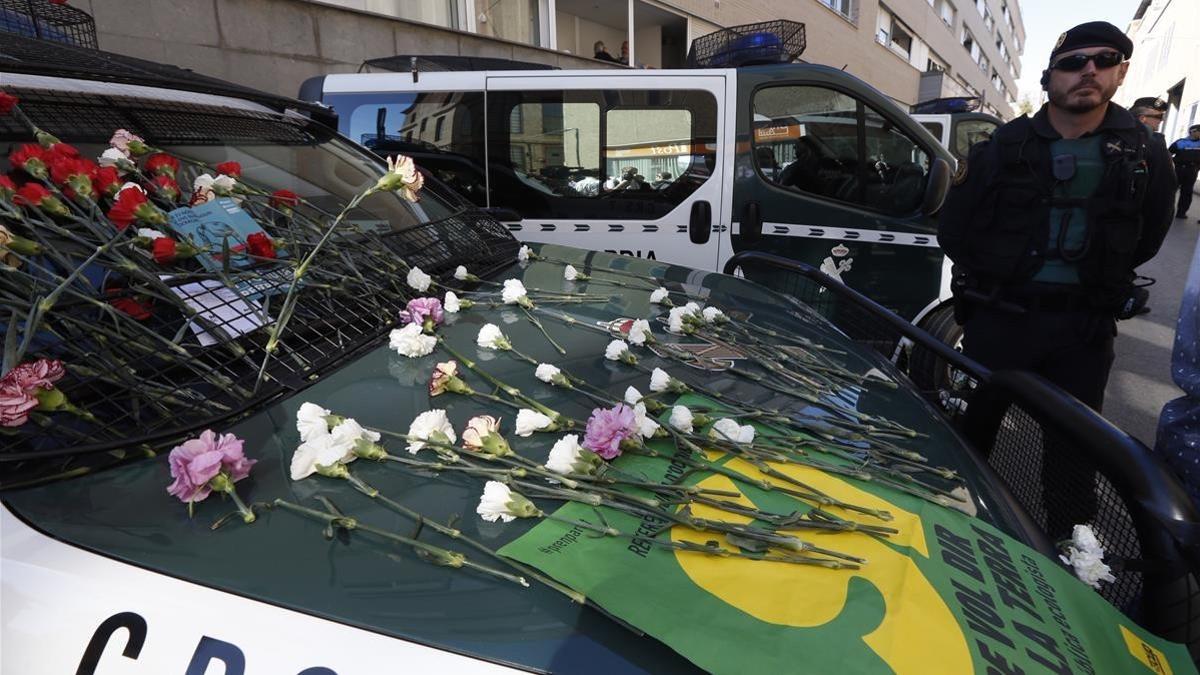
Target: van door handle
700	225
751	226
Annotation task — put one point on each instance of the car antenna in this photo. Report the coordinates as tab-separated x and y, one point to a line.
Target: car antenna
845	66
412	60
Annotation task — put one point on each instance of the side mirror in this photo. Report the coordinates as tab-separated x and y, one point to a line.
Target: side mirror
503	214
937	187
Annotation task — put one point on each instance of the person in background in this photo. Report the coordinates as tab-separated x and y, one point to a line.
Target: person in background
601	53
661	180
1178	440
1186	152
1150	110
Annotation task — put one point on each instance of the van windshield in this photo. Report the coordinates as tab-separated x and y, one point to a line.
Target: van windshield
218	318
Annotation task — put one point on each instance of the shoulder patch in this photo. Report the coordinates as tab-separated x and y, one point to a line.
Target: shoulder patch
960	172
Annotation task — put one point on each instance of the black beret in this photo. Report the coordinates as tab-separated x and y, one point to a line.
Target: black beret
1194	127
1093	34
1152	102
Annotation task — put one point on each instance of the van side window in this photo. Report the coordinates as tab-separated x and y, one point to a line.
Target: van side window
969	132
615	154
452	148
822	142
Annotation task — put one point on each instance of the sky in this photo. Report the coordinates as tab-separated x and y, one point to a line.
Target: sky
1045	20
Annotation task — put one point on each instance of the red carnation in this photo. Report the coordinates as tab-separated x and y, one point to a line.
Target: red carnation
7	187
59	149
35	194
162	164
73	175
260	245
166	187
163	250
125	209
106	181
283	199
7	102
231	169
31	159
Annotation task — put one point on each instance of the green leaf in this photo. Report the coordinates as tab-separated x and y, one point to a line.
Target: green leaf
10	346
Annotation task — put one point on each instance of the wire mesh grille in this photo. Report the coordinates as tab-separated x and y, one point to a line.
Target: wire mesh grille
779	41
45	20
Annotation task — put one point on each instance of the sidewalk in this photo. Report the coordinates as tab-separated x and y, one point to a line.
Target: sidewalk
1141	377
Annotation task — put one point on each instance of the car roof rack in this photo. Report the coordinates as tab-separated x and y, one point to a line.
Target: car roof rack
949	105
431	63
764	42
20	54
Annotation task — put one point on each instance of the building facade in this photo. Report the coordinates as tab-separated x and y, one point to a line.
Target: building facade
1166	61
912	50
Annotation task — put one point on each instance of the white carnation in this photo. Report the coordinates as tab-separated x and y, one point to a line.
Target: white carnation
349	431
658	295
321	451
714	315
411	342
490	337
640	332
632	395
529	421
615	350
523	254
570	273
645	424
730	430
546	372
1085	555
565	454
460	273
149	233
675	319
659	380
115	158
430	423
493	505
451	304
513	291
681	418
310	421
419	280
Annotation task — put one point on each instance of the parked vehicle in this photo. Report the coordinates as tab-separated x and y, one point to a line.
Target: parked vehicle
364	565
686	166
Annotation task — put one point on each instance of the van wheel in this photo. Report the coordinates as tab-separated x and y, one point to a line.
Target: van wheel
926	369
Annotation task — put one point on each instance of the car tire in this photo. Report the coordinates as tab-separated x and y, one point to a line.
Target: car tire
926	369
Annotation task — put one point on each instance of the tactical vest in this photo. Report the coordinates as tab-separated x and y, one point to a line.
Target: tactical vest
1009	232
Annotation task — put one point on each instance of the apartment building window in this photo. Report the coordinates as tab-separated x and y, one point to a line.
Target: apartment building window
997	82
893	34
969	44
843	7
983	63
946	11
1004	11
988	21
935	64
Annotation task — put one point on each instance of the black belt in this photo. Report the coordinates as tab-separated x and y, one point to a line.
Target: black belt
1059	301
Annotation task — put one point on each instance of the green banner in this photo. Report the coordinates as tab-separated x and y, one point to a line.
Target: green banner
949	594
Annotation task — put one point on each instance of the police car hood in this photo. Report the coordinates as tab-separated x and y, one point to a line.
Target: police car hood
115	547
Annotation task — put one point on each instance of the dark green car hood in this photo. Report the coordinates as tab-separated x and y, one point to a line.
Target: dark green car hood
126	514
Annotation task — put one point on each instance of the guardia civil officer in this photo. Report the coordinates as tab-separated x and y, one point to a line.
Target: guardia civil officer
1045	225
1186	152
1150	111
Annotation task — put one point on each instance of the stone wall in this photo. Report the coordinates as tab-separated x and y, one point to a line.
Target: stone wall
274	45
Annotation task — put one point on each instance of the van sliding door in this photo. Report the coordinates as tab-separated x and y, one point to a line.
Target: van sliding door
609	162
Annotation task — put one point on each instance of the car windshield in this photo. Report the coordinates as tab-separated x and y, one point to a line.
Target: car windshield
161	344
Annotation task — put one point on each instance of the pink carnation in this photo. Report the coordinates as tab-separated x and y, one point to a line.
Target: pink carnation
15	404
607	427
40	374
420	309
122	138
199	460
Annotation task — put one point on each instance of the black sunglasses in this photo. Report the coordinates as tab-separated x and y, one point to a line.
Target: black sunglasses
1077	62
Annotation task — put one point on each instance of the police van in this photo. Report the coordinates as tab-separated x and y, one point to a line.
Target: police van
688	166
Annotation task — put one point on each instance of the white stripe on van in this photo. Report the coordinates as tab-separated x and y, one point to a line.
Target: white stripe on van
846	234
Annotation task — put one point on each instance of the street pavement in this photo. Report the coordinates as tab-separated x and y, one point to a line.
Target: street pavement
1141	377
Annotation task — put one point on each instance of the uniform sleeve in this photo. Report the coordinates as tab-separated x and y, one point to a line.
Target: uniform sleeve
1159	205
1173	147
954	219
